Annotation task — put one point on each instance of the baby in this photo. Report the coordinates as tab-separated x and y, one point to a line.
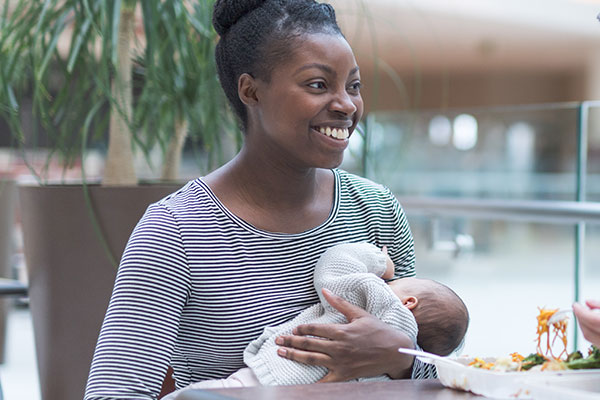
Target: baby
429	313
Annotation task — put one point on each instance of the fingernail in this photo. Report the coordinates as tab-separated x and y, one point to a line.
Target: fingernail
282	352
278	340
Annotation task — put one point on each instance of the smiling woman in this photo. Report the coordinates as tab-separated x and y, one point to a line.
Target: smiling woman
210	266
316	88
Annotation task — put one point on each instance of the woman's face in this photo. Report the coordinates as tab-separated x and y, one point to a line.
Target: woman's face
312	103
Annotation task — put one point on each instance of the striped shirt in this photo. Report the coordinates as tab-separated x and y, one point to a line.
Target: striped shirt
196	284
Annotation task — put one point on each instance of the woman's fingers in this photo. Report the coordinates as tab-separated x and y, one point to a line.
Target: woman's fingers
586	316
593	303
363	347
589	322
305	357
330	377
302	342
591	333
323	331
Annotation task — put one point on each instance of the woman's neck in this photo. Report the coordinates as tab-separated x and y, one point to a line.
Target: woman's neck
272	184
275	197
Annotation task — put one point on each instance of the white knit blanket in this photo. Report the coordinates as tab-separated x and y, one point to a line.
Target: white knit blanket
353	272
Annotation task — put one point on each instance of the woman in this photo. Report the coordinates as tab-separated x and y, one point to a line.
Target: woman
589	320
208	267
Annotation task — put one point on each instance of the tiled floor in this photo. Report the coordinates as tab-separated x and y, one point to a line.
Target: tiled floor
19	372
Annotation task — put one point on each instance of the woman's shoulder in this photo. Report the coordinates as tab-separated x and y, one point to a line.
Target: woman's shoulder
356	185
192	195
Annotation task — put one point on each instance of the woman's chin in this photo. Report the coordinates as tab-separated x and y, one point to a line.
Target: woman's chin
331	164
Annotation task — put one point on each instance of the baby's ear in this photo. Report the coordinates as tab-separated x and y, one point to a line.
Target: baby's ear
410	302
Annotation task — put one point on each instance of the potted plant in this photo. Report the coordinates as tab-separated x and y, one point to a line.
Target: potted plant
119	75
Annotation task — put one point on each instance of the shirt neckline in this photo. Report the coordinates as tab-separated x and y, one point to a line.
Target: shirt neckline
251	228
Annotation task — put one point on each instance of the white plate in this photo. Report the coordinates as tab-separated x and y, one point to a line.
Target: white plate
548	385
581	387
514	385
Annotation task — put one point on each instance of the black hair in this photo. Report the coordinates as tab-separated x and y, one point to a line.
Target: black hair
442	319
256	35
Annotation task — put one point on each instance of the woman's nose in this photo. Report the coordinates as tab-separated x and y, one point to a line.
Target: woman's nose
343	103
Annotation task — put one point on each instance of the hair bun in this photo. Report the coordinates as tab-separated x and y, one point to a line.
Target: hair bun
228	12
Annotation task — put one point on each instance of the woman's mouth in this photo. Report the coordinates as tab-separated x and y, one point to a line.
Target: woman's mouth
336	133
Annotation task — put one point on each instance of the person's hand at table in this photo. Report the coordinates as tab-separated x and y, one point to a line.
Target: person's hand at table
363	347
589	320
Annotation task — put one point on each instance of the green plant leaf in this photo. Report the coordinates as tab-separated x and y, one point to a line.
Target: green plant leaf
81	33
58	29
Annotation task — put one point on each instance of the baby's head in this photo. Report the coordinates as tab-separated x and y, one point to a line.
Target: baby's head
441	315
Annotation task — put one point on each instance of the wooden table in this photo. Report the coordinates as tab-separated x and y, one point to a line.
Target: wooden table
400	389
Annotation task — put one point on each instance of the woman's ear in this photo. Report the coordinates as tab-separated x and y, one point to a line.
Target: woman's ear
410	302
247	89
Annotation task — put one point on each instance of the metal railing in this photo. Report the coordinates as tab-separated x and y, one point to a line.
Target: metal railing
536	211
578	213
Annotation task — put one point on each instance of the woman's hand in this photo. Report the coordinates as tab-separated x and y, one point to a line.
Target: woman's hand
363	347
589	320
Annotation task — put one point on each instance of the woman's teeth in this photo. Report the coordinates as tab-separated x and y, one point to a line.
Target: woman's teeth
338	133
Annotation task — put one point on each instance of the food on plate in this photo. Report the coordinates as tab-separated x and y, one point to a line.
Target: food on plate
538	362
532	360
557	329
577	361
479	363
544	359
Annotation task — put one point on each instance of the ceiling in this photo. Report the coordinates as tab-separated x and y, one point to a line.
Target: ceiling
473	35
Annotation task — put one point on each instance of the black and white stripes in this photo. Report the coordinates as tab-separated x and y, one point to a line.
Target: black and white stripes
196	284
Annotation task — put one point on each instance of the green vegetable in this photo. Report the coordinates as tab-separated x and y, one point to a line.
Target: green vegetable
576	355
532	360
590	362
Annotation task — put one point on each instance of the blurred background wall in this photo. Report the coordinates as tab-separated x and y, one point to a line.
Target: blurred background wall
463	53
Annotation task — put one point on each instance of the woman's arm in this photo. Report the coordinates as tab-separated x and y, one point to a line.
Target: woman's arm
139	330
401	246
362	348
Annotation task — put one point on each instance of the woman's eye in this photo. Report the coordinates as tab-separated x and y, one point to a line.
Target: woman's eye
355	87
317	85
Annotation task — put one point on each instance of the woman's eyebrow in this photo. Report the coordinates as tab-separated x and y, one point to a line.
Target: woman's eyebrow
324	68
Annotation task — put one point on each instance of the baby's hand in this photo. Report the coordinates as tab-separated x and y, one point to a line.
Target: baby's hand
389	271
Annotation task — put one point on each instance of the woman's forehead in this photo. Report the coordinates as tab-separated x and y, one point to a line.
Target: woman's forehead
325	51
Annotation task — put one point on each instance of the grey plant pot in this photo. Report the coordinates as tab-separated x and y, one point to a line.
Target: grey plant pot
70	275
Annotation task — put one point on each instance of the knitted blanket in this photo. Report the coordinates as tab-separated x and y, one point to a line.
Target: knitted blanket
352	271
